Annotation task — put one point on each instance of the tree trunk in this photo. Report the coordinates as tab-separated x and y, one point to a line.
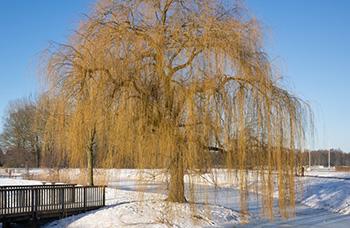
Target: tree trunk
177	185
90	167
37	152
90	158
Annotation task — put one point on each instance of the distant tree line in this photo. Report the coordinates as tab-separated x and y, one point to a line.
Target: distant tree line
21	139
320	157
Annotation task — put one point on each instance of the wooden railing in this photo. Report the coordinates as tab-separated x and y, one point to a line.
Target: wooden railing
36	186
46	201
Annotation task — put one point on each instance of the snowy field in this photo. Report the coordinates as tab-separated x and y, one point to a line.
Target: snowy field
323	201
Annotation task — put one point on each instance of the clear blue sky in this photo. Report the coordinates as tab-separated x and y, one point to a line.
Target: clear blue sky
309	41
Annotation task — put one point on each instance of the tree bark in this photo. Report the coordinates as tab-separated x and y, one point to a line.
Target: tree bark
90	167
176	191
90	158
37	152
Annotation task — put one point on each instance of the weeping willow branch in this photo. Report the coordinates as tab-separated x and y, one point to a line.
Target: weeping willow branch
169	84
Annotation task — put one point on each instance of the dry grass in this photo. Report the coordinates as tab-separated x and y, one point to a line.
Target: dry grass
64	176
342	168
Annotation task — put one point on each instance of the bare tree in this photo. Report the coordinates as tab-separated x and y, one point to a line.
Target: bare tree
19	133
166	84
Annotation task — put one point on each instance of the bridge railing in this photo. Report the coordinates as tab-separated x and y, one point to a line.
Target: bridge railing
36	186
45	199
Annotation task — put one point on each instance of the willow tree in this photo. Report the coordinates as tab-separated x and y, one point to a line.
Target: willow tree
167	84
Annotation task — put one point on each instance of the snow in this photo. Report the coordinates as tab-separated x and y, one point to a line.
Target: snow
327	190
323	199
132	208
127	208
327	173
11	181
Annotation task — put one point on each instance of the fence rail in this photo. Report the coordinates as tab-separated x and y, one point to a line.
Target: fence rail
36	186
47	201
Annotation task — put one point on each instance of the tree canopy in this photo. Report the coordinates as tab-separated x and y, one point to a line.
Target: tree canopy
170	83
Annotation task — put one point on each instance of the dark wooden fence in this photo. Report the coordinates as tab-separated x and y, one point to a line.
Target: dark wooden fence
34	202
36	186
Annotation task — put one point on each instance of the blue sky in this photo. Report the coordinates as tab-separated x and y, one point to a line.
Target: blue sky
27	28
308	41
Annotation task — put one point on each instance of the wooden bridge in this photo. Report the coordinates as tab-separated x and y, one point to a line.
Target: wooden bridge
32	203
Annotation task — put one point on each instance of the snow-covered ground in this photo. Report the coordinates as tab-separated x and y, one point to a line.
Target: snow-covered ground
323	201
328	190
12	181
133	209
328	173
330	194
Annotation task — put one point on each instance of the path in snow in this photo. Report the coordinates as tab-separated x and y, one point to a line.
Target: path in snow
229	198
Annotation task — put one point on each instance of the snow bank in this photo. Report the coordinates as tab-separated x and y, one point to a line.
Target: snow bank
326	193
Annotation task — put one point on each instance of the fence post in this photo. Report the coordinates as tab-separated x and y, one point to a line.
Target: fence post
104	196
34	203
5	201
1	201
73	194
62	200
84	198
